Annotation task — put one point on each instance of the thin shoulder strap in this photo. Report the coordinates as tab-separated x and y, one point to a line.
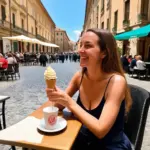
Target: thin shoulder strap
107	84
81	78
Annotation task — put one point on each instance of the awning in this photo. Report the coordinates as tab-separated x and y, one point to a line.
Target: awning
140	32
23	38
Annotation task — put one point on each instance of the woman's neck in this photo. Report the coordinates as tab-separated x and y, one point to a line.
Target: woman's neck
95	74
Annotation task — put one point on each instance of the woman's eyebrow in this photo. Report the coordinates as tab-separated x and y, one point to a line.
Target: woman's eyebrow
86	42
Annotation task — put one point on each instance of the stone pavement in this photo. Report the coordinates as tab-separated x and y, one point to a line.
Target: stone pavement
28	93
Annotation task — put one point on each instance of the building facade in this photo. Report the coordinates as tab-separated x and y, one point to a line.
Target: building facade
29	18
119	16
72	46
62	40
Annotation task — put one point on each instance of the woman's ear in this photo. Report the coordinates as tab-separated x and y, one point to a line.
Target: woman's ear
103	55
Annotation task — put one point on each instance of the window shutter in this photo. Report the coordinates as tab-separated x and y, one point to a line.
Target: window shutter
3	12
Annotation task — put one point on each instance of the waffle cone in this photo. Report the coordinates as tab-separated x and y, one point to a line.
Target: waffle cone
51	83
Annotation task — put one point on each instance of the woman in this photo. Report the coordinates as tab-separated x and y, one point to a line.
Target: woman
11	59
103	98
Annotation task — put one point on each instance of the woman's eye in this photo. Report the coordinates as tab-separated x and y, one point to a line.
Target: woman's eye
87	46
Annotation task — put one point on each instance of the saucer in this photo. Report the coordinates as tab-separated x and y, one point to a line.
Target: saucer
60	125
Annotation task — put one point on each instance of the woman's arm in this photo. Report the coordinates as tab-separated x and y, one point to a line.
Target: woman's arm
72	87
113	97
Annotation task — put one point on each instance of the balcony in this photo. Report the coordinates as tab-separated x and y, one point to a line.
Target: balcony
126	23
114	30
142	18
31	35
108	4
23	7
19	30
40	37
4	24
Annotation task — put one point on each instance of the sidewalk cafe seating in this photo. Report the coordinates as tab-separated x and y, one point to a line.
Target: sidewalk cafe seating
2	115
139	73
16	69
136	119
10	72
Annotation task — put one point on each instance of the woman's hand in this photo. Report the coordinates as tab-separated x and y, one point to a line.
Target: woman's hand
60	97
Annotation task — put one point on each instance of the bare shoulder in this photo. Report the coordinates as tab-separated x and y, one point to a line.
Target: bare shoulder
117	87
77	77
118	81
118	78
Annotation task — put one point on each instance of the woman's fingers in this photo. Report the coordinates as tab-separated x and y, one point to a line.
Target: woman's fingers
49	90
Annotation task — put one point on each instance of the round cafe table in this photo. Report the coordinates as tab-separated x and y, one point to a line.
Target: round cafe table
25	133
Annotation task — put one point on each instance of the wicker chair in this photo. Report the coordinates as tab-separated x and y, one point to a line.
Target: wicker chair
136	120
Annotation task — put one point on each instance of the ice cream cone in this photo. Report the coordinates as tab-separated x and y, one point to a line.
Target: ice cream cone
50	78
51	83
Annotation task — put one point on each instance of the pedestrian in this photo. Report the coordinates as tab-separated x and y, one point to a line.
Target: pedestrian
101	106
3	62
43	59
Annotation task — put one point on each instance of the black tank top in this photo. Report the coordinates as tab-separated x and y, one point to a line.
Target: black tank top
117	128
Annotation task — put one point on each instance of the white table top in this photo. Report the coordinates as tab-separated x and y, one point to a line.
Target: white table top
2	98
147	63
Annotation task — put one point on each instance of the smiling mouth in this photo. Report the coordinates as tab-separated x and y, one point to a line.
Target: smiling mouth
84	58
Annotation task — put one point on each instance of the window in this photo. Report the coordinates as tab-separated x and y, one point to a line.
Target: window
3	12
22	23
13	20
116	19
32	30
102	26
97	15
45	34
107	24
144	9
39	30
108	3
36	30
127	10
102	5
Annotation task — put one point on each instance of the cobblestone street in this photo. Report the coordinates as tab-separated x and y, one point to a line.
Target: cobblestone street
28	93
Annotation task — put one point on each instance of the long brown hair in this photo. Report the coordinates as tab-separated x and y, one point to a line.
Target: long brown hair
111	62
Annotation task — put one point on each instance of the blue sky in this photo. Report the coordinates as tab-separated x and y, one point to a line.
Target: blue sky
67	15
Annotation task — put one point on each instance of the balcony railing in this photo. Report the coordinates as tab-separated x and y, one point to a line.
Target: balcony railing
126	23
114	30
5	24
40	37
19	30
142	17
31	35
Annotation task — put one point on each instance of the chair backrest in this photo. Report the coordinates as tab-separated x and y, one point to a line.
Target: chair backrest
136	120
10	68
16	67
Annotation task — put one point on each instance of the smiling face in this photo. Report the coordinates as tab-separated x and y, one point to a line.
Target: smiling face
90	52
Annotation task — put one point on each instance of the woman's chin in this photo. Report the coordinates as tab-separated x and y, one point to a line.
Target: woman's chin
83	65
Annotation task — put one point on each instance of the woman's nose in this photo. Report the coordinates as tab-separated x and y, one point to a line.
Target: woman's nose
81	50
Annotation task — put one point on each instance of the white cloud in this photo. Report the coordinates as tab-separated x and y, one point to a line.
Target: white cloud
77	34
